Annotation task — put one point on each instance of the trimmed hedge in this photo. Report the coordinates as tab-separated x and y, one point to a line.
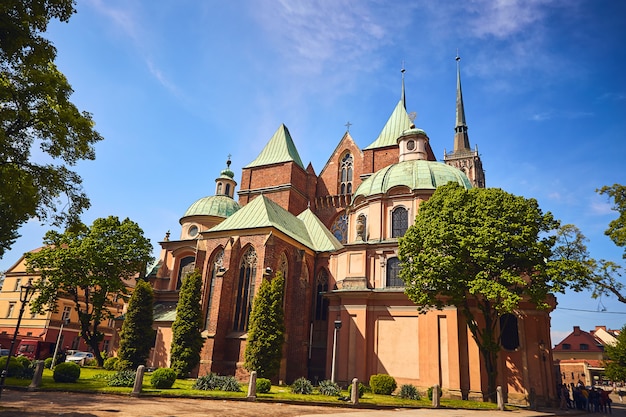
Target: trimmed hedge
163	378
263	385
382	384
66	372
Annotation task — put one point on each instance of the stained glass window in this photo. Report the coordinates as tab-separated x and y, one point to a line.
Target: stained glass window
339	228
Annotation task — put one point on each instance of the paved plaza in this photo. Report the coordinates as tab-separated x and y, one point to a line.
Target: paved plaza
47	404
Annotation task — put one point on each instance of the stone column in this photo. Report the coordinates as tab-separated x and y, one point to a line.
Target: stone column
354	395
138	381
36	382
500	397
436	392
252	387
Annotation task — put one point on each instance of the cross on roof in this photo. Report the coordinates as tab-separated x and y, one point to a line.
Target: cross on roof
347	125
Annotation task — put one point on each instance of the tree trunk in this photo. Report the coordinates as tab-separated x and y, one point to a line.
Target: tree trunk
491	366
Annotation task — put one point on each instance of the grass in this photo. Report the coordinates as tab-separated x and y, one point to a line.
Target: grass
95	380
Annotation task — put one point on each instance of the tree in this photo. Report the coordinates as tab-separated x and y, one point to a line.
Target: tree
617	227
36	111
186	338
483	251
266	333
615	367
137	336
91	266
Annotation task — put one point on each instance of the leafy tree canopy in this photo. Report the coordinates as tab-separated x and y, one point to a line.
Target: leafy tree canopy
36	112
615	368
90	266
617	227
483	251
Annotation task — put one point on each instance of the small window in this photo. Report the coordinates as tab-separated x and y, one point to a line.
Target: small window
399	222
584	346
566	346
10	310
67	311
393	273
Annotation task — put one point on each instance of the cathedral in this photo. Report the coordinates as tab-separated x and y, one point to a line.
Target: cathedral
334	237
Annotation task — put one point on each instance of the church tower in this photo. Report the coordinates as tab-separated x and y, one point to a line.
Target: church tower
462	156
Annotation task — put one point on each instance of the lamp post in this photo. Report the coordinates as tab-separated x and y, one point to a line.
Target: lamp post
332	366
26	293
56	348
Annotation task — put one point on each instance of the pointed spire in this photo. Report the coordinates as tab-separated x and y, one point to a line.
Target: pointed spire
402	96
461	138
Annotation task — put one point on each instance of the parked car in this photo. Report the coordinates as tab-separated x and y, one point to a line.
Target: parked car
4	352
80	358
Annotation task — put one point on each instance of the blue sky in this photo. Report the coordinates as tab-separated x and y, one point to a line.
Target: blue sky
175	87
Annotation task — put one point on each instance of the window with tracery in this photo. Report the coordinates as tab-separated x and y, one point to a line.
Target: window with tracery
345	174
321	303
186	266
245	290
218	263
339	228
399	221
393	273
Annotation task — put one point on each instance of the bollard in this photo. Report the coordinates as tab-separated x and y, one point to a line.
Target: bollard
138	381
36	382
354	395
252	387
436	394
500	397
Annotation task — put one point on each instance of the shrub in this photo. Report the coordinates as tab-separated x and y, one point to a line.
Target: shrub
429	392
229	383
330	388
123	365
302	386
208	382
163	378
382	384
47	363
110	363
408	391
362	389
66	372
122	379
263	385
15	367
91	362
24	361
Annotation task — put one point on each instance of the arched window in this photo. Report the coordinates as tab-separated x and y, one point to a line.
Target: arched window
219	188
245	290
339	228
218	263
399	221
321	303
393	273
187	265
509	335
345	176
227	189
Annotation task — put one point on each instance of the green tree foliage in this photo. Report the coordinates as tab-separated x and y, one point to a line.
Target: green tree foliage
483	251
91	266
617	227
615	367
186	338
266	333
137	336
36	112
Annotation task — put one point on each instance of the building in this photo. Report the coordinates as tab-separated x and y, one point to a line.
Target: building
45	327
580	356
334	236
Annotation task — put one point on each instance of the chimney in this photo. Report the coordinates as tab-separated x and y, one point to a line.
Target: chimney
576	330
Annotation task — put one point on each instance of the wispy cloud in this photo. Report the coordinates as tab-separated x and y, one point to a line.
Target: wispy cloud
553	114
612	96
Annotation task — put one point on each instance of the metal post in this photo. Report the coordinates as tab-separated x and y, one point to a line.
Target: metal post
56	348
332	366
26	292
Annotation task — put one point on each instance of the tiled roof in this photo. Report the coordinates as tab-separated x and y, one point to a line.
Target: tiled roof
263	212
577	338
397	123
280	148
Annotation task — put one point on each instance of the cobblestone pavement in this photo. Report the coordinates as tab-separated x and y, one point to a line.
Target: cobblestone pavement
48	404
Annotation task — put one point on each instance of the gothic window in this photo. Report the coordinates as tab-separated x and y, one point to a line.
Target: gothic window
345	177
187	265
245	290
321	303
339	228
399	221
218	263
393	273
509	335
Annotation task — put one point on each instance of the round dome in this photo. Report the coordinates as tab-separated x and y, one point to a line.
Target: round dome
416	174
227	173
215	205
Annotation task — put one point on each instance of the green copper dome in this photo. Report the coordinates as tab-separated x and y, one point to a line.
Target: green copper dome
215	205
417	174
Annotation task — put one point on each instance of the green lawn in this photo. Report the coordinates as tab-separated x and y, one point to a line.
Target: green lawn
94	380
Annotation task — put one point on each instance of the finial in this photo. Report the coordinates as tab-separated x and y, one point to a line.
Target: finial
228	161
458	58
347	125
402	96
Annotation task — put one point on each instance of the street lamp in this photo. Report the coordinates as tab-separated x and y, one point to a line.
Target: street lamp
56	348
332	370
26	293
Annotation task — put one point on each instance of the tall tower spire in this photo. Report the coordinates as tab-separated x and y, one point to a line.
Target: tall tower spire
402	97
461	138
462	156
